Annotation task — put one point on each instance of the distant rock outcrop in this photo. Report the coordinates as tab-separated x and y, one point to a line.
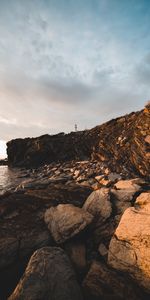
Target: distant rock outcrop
123	144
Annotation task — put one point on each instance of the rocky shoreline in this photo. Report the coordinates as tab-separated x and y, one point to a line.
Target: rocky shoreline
78	225
123	144
73	214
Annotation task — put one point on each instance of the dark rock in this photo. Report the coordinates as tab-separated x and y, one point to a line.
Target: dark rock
104	283
3	162
48	276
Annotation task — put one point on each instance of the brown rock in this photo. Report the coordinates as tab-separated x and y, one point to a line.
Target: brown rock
77	253
103	283
122	199
131	184
98	204
48	276
66	220
129	249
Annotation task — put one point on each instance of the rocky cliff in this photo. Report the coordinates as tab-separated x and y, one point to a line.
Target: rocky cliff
123	144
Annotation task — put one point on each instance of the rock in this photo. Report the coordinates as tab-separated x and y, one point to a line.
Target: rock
102	249
58	193
32	184
48	276
9	248
66	220
127	151
114	176
105	182
131	184
143	200
25	231
129	249
122	199
103	283
85	183
147	139
76	173
81	178
98	204
99	177
77	253
96	186
22	227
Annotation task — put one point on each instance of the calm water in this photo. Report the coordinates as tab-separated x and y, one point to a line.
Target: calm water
10	178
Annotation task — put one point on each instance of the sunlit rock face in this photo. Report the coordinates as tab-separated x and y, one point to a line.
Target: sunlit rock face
122	144
129	249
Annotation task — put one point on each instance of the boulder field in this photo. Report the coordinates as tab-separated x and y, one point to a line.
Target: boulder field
75	238
78	224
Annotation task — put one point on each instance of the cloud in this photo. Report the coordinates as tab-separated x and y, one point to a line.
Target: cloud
66	62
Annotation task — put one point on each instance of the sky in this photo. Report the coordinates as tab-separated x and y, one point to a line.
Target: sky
67	62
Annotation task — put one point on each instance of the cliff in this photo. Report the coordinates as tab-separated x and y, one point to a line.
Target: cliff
123	144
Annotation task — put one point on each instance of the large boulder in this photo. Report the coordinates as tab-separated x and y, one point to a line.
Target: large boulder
98	204
66	220
129	249
101	282
48	276
130	184
122	199
23	230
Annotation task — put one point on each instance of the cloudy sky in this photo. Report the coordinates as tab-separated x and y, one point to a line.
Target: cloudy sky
71	61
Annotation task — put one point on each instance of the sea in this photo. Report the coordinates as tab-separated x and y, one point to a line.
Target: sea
10	178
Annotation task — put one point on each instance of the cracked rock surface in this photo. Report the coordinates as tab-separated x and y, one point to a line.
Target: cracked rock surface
129	249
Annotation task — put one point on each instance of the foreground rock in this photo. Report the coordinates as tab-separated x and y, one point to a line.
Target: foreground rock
129	249
98	204
127	150
48	276
23	230
65	221
103	283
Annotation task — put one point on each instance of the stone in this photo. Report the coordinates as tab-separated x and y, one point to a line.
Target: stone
131	184
22	226
48	276
76	173
105	182
99	177
9	248
102	249
85	183
129	249
96	186
66	220
114	176
147	139
98	204
81	178
101	282
122	199
77	253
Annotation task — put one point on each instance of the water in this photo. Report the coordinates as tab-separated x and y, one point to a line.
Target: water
10	178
